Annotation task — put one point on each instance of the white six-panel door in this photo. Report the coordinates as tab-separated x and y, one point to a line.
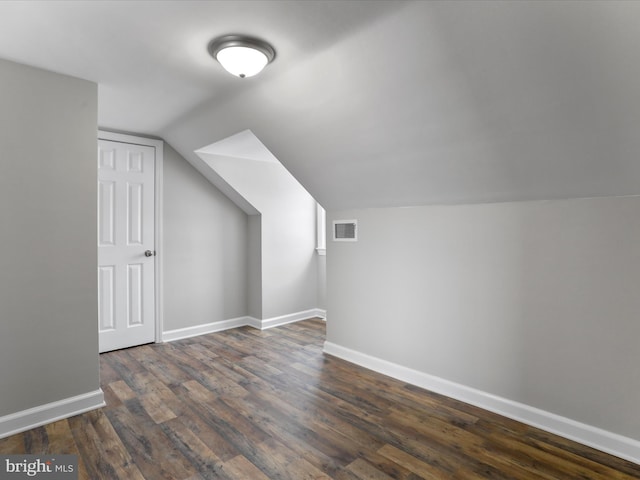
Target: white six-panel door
126	245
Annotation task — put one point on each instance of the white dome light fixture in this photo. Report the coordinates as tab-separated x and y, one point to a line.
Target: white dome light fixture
240	55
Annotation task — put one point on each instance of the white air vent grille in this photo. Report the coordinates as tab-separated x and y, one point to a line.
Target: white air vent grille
345	230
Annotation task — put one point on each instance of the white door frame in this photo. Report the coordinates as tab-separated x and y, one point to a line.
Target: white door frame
159	148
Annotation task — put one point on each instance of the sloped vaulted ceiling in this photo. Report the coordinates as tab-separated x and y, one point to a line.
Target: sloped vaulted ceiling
451	102
372	103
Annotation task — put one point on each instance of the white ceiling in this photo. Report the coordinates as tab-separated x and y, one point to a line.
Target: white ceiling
370	103
150	57
244	145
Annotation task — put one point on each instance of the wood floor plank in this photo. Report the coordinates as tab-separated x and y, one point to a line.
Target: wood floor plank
413	464
147	443
221	384
156	408
365	471
193	448
279	461
197	420
331	441
60	438
305	442
389	467
451	441
239	468
61	441
200	352
152	360
147	383
101	449
246	404
13	445
122	390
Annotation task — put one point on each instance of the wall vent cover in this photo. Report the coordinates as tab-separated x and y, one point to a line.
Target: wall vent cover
345	230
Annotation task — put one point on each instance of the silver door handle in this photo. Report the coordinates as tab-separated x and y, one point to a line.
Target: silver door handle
150	253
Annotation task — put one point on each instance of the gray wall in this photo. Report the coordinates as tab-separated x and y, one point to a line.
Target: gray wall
287	231
535	302
322	282
205	249
289	260
255	266
48	290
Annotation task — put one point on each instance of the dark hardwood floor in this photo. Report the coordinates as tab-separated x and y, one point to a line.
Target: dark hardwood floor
251	405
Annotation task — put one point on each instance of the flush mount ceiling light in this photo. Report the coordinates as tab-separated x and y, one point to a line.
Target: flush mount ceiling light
240	55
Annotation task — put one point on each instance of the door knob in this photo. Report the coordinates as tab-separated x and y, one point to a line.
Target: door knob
149	253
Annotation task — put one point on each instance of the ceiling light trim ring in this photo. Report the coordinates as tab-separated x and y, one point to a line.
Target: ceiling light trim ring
229	41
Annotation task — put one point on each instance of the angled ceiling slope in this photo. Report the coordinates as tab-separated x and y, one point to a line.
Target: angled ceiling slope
243	164
371	103
243	145
455	102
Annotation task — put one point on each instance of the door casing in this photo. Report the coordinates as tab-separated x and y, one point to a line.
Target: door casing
158	145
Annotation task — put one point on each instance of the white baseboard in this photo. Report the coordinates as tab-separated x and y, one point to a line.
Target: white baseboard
612	443
50	412
180	333
187	332
290	318
254	322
